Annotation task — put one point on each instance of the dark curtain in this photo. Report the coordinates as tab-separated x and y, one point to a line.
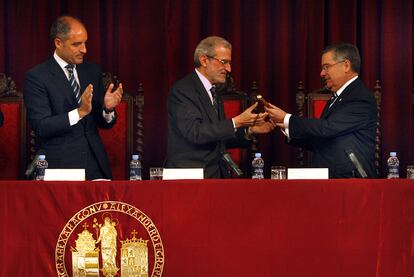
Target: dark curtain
276	43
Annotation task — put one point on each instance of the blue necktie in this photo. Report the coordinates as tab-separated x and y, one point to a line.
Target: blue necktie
73	83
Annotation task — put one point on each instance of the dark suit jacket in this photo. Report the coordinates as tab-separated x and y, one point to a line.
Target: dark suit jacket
49	97
349	124
1	118
196	135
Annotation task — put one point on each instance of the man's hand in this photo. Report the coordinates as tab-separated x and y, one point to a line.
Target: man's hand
263	128
112	99
276	114
86	102
248	118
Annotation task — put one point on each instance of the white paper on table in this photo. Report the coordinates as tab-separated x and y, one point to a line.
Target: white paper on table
308	173
64	174
182	173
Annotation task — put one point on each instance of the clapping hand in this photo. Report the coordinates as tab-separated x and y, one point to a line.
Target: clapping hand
113	98
86	102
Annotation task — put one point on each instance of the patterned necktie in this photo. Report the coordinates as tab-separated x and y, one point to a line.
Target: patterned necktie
73	83
333	99
215	98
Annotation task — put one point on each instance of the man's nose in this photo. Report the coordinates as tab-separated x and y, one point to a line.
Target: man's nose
83	48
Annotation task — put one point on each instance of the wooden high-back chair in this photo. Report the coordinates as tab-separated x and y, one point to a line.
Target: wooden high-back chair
13	139
235	102
126	137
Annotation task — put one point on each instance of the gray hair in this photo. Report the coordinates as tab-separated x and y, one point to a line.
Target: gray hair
207	47
61	27
345	51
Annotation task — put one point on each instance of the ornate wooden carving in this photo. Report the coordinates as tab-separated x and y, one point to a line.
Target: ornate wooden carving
10	95
108	78
139	133
253	92
229	92
8	87
378	135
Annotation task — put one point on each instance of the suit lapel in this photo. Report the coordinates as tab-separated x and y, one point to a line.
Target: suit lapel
330	106
205	100
82	77
325	109
208	107
338	102
59	77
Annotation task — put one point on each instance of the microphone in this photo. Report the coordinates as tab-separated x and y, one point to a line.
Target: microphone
356	163
226	157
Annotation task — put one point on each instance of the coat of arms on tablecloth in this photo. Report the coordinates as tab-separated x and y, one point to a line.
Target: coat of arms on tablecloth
102	240
133	257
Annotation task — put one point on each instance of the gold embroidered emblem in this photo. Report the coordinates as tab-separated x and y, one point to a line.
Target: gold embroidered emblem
107	238
85	257
134	262
108	253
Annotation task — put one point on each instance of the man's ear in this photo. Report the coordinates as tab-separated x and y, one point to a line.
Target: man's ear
203	60
348	66
58	43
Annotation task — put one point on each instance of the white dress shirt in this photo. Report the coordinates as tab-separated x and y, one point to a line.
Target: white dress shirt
74	114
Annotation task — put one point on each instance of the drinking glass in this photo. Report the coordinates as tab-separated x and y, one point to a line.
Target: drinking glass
278	172
410	171
156	173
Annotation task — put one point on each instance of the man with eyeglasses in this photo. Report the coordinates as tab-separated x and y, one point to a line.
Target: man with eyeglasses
198	132
343	139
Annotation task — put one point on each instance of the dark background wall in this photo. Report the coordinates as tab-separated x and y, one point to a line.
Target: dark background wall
276	43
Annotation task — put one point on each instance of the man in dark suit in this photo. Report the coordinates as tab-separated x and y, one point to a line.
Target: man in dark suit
198	132
347	123
66	103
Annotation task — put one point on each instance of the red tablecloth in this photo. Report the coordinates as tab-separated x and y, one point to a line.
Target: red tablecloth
225	227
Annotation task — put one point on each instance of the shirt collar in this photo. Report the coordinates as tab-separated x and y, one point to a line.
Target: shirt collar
339	91
206	83
61	62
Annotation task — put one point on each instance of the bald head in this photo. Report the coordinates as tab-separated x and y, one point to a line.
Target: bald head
69	36
63	25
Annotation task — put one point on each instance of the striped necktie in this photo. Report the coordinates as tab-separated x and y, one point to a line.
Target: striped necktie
73	83
333	99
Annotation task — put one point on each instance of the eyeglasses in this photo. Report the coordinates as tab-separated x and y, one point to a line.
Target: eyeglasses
223	62
326	67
